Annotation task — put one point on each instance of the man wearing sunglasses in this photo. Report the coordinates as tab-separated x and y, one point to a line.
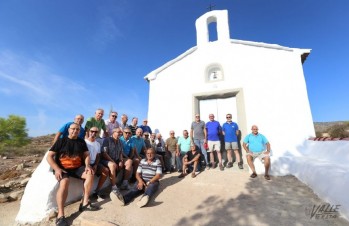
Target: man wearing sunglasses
64	131
112	123
230	131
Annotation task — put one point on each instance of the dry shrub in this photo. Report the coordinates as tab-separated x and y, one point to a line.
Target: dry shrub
339	131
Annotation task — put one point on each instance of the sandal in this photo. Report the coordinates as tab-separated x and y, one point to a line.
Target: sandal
253	175
89	207
267	177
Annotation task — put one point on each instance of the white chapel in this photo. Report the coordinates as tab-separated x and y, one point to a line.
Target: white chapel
258	83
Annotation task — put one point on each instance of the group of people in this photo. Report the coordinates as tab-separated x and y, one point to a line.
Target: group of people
106	148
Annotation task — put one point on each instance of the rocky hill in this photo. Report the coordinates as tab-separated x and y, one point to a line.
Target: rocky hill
323	127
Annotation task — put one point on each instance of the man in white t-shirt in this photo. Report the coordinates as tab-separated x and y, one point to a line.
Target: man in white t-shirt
95	151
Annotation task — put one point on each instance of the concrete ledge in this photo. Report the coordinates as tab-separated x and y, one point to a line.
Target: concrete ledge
323	166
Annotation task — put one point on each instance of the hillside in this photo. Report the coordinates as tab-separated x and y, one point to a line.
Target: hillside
324	126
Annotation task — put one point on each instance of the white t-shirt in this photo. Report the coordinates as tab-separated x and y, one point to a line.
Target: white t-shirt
94	149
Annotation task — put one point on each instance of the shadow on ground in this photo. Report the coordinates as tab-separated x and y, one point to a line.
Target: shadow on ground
281	201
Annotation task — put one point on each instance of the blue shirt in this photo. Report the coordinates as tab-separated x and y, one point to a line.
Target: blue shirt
64	131
256	143
230	131
146	129
138	143
184	144
127	146
213	129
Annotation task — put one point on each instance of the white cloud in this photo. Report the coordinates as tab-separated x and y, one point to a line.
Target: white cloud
34	81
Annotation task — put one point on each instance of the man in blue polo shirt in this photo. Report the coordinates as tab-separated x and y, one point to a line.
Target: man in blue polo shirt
230	131
213	129
64	131
256	145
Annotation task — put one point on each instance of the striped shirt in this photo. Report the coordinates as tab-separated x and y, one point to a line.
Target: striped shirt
148	171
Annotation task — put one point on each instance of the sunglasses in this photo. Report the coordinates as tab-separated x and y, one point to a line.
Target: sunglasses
93	131
114	116
228	117
127	132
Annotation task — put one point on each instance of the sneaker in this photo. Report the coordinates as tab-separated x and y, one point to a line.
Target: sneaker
117	197
240	165
229	164
61	221
143	201
182	175
221	167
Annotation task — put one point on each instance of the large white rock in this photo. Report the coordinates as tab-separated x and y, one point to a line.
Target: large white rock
39	198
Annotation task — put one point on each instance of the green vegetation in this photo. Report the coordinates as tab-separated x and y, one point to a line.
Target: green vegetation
339	131
13	133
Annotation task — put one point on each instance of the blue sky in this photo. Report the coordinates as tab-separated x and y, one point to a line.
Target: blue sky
61	58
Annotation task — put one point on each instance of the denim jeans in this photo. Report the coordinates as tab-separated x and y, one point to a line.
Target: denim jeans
200	144
179	160
134	192
173	158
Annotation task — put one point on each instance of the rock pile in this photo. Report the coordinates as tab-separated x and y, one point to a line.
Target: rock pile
14	176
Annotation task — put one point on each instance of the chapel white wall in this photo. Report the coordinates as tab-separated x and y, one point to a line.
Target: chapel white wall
269	78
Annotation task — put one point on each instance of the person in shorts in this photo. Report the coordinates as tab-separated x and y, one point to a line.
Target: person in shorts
214	129
69	157
95	156
256	145
230	131
190	161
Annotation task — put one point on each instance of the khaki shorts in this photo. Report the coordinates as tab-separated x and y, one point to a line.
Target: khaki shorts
231	145
214	146
259	155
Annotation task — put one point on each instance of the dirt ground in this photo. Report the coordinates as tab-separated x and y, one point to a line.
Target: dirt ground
230	197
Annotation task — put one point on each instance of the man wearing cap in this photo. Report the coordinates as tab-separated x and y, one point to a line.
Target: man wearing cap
190	162
145	127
